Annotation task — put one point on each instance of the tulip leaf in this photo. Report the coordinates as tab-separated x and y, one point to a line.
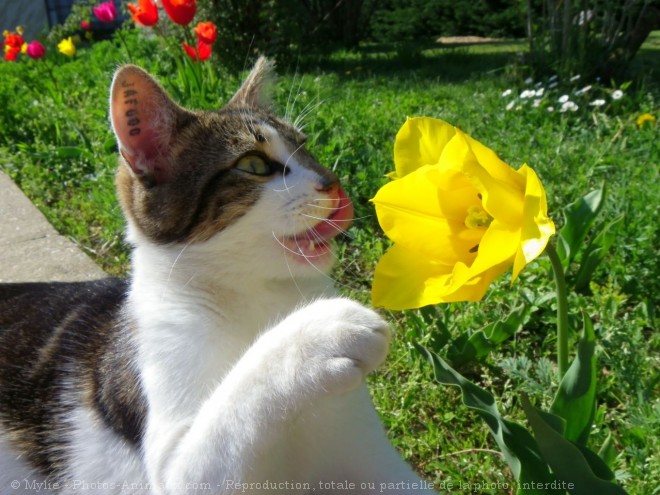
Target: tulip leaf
575	400
519	448
479	344
579	216
595	252
432	318
573	464
607	452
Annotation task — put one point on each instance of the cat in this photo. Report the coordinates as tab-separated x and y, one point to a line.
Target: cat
226	363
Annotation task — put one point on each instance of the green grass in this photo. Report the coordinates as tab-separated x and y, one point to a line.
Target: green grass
56	144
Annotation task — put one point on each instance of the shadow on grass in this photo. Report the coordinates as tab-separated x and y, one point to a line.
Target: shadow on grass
454	62
647	61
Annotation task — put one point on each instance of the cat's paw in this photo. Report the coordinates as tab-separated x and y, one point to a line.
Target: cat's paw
338	343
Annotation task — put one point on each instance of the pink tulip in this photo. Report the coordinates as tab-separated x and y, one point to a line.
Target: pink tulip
36	50
106	12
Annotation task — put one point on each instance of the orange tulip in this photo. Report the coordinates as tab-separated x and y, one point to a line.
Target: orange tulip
206	32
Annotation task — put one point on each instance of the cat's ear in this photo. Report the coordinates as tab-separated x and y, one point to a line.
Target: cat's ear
256	91
144	119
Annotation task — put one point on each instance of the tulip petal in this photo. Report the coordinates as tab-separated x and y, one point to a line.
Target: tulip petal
401	278
409	213
420	142
537	227
456	194
501	198
496	168
498	245
404	280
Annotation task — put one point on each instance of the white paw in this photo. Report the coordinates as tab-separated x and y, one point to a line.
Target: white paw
337	343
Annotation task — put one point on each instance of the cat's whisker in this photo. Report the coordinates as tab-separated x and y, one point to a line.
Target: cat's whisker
295	99
333	280
289	105
307	110
334	225
286	163
288	267
178	256
331	208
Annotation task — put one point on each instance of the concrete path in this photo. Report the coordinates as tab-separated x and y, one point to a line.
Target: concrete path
31	249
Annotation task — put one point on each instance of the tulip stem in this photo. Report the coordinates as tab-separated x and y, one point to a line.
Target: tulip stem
562	310
122	39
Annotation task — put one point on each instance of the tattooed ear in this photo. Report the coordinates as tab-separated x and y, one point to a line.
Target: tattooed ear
143	119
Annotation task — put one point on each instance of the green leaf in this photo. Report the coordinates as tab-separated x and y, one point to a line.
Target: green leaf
595	252
520	450
69	152
575	400
579	216
477	345
567	460
607	451
425	318
110	145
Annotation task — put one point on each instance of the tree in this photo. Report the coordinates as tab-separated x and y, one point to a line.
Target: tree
593	38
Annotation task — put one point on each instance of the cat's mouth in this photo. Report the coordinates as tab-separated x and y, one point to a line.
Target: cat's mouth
315	242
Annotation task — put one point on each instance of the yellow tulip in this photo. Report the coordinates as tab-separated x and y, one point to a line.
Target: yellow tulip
458	215
67	47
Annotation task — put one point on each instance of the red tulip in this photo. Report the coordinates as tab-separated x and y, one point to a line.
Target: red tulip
13	40
36	50
202	52
145	13
180	11
11	54
106	11
12	46
206	32
85	24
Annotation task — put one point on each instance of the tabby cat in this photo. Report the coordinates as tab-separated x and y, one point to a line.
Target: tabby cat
226	364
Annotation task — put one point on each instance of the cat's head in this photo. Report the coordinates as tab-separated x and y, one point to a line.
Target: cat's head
237	181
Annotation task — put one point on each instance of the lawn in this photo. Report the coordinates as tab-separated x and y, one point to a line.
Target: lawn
57	145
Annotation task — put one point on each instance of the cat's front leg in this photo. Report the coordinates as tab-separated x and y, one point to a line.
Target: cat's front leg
323	349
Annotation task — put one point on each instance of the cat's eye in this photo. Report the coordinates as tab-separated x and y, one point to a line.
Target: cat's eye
253	164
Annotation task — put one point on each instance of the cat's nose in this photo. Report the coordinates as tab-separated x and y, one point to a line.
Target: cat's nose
328	183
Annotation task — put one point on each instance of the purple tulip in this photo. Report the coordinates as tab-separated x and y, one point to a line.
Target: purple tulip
106	12
36	50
